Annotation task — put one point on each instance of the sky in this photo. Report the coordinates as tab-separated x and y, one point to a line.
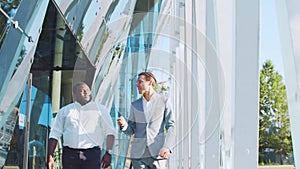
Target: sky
269	36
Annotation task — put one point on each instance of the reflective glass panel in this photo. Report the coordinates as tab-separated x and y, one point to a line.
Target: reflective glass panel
8	9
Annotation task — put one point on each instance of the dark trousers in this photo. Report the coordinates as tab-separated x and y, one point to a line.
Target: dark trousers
148	162
81	158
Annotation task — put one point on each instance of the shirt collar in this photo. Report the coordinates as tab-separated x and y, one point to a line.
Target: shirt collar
151	98
78	104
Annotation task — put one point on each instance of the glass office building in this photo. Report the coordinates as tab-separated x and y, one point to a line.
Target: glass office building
204	54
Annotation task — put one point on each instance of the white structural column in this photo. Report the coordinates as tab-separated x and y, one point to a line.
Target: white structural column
211	133
245	122
190	88
198	40
225	30
214	64
289	28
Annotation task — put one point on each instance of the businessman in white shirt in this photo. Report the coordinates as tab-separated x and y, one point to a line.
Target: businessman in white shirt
84	125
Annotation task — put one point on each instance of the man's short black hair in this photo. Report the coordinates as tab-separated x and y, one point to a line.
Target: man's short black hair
76	85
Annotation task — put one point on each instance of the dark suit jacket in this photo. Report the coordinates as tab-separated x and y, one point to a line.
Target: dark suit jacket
155	129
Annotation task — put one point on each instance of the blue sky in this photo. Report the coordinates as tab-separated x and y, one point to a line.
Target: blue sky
269	35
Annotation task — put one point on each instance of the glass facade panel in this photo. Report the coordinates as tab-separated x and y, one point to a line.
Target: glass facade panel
135	60
8	9
106	44
101	38
21	40
56	42
17	51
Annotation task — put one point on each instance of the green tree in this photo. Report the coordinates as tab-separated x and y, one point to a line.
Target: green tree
274	124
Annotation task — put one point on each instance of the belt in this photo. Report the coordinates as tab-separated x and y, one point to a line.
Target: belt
81	149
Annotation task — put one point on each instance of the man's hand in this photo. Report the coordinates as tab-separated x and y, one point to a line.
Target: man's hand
105	161
51	147
121	121
164	152
50	162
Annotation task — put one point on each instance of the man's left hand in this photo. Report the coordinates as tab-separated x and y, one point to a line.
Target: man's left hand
164	152
106	160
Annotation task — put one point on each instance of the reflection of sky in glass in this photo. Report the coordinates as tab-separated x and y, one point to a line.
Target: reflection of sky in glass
119	10
94	10
91	14
27	48
36	24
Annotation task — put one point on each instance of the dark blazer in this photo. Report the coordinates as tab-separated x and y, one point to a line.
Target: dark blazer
155	130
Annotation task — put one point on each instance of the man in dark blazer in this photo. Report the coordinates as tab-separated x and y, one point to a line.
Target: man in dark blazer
152	125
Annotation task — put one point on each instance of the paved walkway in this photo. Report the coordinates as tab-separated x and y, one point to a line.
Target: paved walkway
277	167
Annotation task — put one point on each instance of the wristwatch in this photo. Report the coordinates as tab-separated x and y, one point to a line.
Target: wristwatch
109	151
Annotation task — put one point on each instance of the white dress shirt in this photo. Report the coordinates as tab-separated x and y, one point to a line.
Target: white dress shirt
147	107
82	126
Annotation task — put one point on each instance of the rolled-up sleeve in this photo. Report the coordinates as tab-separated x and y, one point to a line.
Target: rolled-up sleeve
106	122
57	127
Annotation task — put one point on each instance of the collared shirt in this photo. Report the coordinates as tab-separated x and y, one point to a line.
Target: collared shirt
82	126
147	106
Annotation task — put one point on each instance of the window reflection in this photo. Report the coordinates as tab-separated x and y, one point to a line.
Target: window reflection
56	40
105	58
10	8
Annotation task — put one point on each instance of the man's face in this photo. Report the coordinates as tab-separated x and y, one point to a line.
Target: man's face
143	85
82	94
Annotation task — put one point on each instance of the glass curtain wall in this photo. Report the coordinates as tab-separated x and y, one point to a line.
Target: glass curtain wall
136	57
21	22
59	60
10	8
106	44
51	58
